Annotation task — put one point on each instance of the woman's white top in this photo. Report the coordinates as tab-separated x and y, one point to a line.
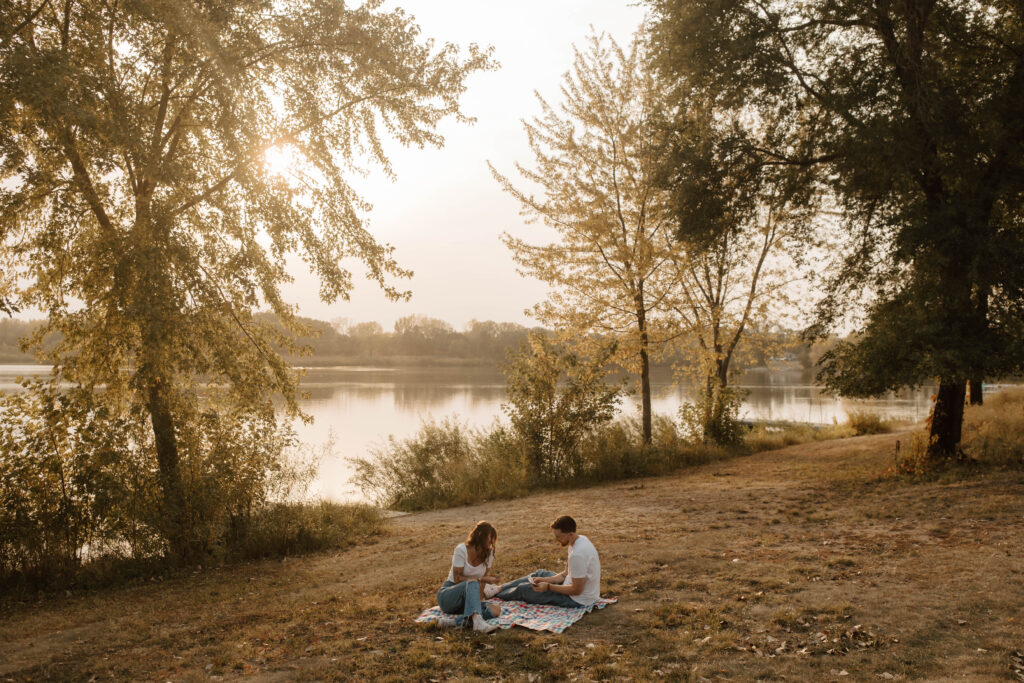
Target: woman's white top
460	558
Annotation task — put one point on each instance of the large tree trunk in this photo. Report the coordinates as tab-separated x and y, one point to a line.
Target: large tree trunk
175	522
975	393
947	420
156	314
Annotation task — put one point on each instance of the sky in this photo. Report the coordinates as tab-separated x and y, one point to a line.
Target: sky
444	212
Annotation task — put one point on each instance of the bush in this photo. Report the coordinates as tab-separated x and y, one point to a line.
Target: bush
994	432
448	464
444	464
775	435
69	484
616	451
293	528
866	422
712	418
556	399
79	488
912	460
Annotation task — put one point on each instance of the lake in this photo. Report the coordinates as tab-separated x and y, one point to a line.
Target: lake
362	406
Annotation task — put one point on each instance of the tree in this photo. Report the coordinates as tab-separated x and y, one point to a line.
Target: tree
595	165
744	221
555	398
912	111
421	334
135	197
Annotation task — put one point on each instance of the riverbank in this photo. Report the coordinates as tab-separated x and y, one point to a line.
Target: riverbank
800	563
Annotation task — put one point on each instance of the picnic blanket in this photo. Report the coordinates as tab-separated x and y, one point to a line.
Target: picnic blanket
536	617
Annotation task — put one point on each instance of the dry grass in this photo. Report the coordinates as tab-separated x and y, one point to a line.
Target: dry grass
797	564
994	432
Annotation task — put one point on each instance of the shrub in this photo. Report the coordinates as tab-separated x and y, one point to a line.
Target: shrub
771	436
447	464
442	465
79	485
867	422
912	460
712	418
294	528
556	399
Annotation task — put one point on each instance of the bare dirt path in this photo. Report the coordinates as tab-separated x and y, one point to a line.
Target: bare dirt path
797	564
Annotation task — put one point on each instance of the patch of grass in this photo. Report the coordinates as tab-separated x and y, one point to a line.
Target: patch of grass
770	436
295	528
994	432
867	422
883	595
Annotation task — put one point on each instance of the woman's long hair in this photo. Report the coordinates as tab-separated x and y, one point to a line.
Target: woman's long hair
478	537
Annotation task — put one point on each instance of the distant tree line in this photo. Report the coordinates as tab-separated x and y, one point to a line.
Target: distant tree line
414	336
422	338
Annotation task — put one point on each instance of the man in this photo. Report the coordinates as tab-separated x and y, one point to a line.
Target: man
578	586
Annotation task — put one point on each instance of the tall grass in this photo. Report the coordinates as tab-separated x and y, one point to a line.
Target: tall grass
775	435
994	432
867	422
444	464
294	528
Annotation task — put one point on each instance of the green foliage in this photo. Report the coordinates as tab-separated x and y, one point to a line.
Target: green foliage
140	211
555	399
79	489
910	114
446	464
712	418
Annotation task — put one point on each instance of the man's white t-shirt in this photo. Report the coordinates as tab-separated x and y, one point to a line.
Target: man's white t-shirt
584	563
460	558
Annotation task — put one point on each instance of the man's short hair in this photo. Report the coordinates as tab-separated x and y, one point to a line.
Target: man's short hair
565	524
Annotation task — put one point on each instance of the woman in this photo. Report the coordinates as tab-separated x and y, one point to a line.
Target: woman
462	593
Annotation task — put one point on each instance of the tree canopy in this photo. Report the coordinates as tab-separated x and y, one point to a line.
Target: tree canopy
913	114
135	198
595	157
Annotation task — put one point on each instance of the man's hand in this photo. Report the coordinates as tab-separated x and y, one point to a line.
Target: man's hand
489	579
541	586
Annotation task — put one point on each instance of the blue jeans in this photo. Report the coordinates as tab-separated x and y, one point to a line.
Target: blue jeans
462	599
521	590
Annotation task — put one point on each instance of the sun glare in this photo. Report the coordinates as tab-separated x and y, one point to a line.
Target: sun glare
280	161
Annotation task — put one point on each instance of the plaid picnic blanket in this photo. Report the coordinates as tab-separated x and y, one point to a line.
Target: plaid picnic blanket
536	617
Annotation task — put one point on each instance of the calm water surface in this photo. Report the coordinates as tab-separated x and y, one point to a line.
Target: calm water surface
362	406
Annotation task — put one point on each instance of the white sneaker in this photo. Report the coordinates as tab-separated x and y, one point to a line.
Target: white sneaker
491	589
482	625
446	622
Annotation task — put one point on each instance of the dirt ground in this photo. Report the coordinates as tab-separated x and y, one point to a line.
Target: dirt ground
798	564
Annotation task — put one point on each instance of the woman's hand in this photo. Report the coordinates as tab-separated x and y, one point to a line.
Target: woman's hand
489	579
541	586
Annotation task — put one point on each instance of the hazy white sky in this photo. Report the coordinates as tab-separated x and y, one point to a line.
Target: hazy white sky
444	212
